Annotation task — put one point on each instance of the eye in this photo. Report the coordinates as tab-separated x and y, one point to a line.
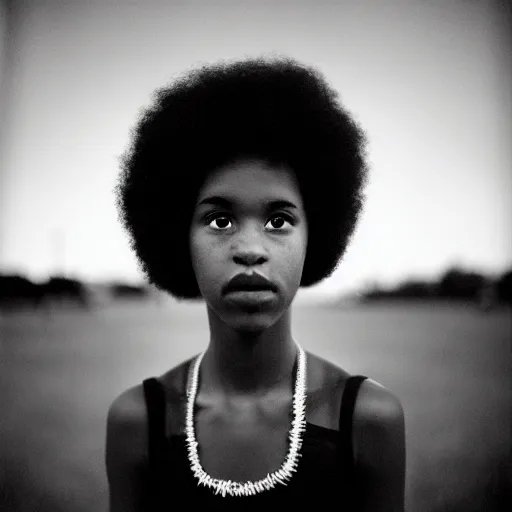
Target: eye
220	222
278	222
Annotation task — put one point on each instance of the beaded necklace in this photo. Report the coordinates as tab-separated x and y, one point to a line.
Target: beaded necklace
282	475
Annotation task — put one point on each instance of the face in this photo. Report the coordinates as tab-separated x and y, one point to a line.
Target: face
248	240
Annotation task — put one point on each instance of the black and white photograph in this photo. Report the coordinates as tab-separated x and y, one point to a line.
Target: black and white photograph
255	254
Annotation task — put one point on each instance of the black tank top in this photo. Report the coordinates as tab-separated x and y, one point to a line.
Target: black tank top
325	470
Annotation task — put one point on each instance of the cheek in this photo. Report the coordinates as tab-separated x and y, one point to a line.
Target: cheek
198	253
205	257
301	243
292	259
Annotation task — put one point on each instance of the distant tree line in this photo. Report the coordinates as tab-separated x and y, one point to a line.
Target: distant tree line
18	291
454	284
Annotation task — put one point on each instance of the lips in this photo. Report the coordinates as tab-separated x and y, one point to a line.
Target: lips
249	283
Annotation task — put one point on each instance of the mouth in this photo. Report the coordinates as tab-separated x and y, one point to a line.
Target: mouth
250	285
252	300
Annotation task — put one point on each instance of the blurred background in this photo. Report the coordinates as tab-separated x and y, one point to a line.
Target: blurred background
421	301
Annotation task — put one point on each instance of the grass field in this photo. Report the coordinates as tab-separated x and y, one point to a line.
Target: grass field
450	364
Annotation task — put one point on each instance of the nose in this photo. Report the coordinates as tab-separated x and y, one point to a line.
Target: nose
248	258
249	249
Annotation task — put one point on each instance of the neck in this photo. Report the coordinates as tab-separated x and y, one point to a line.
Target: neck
241	363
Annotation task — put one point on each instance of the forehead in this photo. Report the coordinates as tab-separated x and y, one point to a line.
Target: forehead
249	180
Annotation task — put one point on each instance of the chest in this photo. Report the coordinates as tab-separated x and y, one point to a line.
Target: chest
243	441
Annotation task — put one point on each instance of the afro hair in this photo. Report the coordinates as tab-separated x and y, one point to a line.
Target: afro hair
276	110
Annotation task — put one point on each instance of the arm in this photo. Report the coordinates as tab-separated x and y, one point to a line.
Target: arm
125	453
379	448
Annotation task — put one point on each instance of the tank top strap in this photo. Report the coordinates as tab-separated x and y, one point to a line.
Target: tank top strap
155	405
348	401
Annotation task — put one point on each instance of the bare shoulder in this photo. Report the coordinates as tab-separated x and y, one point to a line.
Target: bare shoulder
326	382
127	424
377	406
375	403
128	404
323	373
379	443
126	450
378	433
127	419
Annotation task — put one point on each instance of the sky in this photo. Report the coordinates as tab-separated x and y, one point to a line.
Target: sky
429	80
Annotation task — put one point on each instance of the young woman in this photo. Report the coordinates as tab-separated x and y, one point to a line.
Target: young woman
243	182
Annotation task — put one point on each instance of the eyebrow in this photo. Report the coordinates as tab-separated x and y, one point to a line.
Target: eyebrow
224	202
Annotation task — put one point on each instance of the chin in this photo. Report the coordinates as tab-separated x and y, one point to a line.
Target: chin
251	321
